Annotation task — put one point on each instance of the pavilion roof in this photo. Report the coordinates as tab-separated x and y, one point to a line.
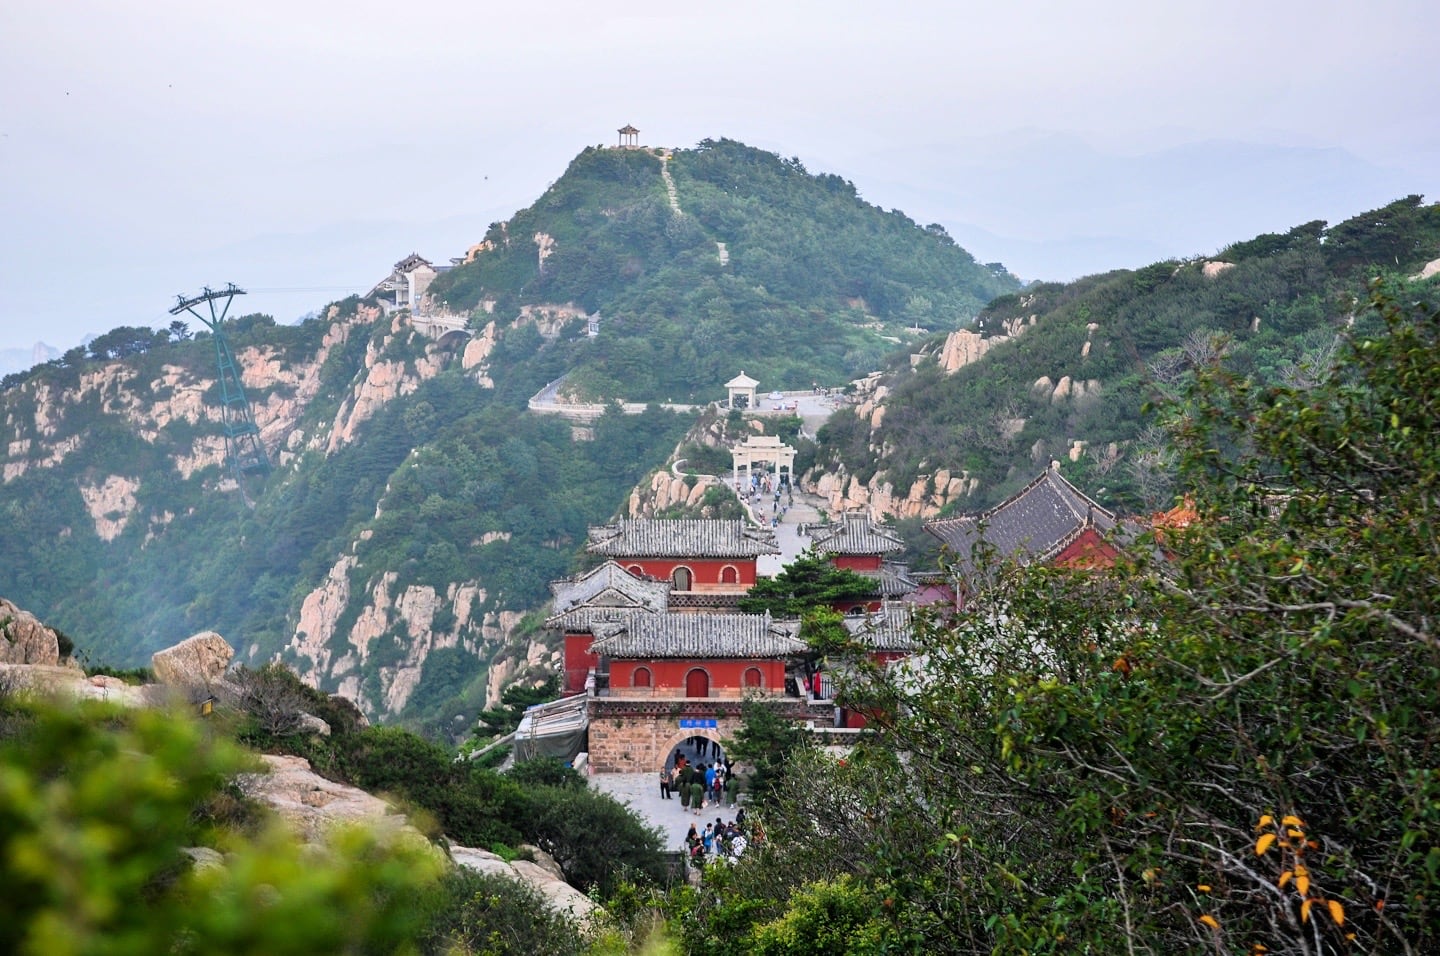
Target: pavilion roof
742	381
627	128
1034	524
856	534
682	538
699	637
606	593
892	579
889	629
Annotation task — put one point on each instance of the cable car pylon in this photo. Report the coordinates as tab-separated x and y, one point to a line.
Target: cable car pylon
244	452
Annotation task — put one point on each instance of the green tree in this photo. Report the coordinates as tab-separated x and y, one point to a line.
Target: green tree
496	916
498	721
1236	748
768	742
96	810
807	582
1229	749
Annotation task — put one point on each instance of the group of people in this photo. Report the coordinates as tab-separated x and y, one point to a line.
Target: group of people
726	839
699	785
760	486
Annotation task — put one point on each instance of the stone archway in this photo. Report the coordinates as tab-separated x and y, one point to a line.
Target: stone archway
678	741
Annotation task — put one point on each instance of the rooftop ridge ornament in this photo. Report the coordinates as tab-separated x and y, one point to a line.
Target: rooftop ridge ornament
244	452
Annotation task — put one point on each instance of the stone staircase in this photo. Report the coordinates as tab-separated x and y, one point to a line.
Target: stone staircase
670	184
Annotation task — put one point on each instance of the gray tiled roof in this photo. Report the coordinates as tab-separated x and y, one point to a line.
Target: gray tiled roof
681	538
581	619
892	580
856	534
889	629
1031	525
699	636
608	587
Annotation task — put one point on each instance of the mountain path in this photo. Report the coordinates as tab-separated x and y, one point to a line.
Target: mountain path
670	189
721	252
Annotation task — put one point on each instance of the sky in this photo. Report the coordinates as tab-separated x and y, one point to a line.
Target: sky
155	147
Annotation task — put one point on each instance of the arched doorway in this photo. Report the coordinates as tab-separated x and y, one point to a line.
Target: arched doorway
682	578
697	683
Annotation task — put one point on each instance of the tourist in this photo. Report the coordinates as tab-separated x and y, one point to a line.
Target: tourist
697	792
667	776
686	772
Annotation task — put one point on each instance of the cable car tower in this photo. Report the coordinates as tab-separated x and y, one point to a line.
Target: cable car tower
243	450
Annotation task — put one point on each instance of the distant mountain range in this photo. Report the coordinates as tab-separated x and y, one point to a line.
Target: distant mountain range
1052	206
18	360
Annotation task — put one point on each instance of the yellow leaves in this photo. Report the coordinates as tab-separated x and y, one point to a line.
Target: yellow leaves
1285	877
1264	843
1265	821
1203	888
1302	881
1292	821
1333	907
1211	922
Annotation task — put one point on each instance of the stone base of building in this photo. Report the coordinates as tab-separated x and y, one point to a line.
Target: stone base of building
637	735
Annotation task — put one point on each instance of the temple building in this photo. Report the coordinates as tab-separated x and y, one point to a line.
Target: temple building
1049	521
710	564
607	595
407	283
858	544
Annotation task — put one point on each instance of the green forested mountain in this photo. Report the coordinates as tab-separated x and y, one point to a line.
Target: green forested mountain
451	485
788	275
417	510
1272	305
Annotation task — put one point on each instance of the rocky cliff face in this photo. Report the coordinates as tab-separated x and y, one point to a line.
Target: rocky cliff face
24	640
405	624
929	493
177	396
369	639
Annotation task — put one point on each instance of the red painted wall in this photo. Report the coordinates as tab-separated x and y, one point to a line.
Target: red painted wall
706	570
667	677
578	661
853	718
857	562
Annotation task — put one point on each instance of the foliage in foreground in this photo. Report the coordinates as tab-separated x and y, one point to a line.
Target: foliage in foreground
1234	750
96	808
595	840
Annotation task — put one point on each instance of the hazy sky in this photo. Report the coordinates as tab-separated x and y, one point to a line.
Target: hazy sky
152	147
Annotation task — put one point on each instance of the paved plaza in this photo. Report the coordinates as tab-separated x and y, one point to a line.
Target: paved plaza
641	792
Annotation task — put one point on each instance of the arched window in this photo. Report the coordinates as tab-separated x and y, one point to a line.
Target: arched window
697	683
753	677
636	570
641	677
682	578
858	609
729	574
